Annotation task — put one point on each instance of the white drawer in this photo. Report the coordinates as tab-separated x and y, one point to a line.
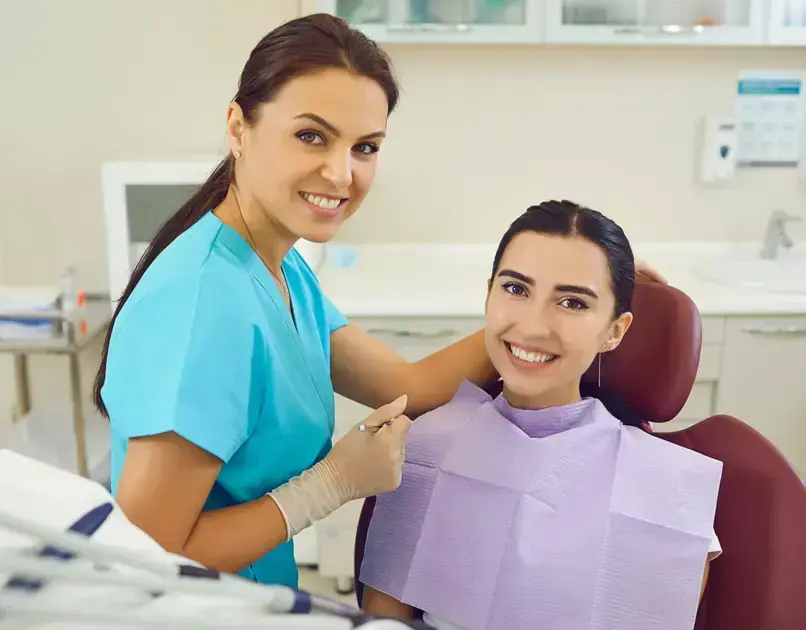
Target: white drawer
710	362
697	408
713	329
414	338
425	327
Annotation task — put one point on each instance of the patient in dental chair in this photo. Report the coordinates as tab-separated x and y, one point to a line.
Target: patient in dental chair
538	509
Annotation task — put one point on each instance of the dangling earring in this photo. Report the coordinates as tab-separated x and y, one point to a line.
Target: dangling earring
599	381
605	348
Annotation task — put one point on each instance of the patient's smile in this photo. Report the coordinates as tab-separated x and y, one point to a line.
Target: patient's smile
529	356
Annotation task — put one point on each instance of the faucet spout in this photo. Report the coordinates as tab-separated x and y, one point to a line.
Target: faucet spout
775	235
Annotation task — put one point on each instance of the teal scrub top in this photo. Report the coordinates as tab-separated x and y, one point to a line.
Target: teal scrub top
206	347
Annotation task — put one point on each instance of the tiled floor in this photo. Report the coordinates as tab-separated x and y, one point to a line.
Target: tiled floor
311	581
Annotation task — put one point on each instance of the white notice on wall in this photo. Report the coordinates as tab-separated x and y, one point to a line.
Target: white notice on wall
770	111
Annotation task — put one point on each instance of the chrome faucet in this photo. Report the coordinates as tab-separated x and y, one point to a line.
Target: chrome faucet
776	235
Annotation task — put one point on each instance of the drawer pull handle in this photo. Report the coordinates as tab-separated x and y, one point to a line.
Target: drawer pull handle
658	31
775	330
413	334
428	28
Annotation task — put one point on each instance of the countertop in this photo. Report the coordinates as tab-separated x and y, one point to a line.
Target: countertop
433	280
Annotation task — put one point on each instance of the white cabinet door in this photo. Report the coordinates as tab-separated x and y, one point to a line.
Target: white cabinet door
443	21
763	380
656	22
787	23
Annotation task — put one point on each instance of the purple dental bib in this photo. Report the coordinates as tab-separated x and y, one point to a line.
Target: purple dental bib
552	519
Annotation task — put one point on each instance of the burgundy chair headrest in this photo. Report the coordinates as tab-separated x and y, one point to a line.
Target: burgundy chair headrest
654	368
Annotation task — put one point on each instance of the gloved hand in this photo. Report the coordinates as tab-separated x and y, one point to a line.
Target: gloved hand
363	463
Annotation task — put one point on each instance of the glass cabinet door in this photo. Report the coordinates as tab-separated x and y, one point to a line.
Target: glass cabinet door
787	25
686	22
462	21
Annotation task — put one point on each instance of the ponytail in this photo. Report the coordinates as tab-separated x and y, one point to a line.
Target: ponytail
298	47
209	196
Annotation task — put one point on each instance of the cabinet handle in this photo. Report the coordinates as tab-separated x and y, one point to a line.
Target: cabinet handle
428	28
775	330
666	29
413	334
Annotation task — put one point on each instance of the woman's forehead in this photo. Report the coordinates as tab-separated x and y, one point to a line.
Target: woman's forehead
353	104
558	259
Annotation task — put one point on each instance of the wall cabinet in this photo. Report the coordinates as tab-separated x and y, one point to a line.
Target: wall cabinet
656	22
443	21
787	23
595	22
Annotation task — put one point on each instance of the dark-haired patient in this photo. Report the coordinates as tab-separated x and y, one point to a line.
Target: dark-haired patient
539	509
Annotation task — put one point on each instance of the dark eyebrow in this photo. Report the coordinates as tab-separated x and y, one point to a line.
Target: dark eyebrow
572	288
517	276
560	288
332	129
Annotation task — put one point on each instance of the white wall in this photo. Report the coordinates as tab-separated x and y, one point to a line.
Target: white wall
480	133
86	81
484	132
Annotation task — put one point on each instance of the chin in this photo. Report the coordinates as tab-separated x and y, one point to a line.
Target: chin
319	233
526	391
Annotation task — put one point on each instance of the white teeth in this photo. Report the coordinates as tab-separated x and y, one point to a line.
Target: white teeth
322	202
531	357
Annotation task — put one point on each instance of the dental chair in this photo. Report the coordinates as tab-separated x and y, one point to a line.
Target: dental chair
759	581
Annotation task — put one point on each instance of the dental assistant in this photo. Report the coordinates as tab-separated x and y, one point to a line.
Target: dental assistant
220	366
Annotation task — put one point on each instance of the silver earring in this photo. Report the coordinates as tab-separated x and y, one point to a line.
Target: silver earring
236	154
599	380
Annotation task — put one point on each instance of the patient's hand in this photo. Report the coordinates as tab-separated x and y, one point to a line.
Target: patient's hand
377	603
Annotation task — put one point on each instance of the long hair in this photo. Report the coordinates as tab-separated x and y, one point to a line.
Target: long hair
296	48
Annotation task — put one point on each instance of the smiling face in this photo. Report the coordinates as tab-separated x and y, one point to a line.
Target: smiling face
550	310
309	158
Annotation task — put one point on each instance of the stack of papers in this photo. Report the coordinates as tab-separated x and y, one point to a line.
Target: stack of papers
15	301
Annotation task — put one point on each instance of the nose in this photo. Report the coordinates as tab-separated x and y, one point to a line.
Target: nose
338	168
535	325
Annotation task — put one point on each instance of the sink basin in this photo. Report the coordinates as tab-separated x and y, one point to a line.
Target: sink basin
775	276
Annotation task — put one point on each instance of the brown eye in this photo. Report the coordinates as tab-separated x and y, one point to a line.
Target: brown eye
311	137
574	304
514	288
367	148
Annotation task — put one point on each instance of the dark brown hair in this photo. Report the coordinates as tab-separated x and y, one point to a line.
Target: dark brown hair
566	218
301	46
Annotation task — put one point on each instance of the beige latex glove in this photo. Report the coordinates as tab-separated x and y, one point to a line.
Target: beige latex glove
361	464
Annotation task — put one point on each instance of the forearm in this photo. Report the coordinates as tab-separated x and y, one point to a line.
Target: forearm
365	370
434	380
381	604
230	539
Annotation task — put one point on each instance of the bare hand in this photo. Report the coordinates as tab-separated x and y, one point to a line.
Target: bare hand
644	272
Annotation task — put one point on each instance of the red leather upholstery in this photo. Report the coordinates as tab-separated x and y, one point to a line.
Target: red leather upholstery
759	583
655	366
